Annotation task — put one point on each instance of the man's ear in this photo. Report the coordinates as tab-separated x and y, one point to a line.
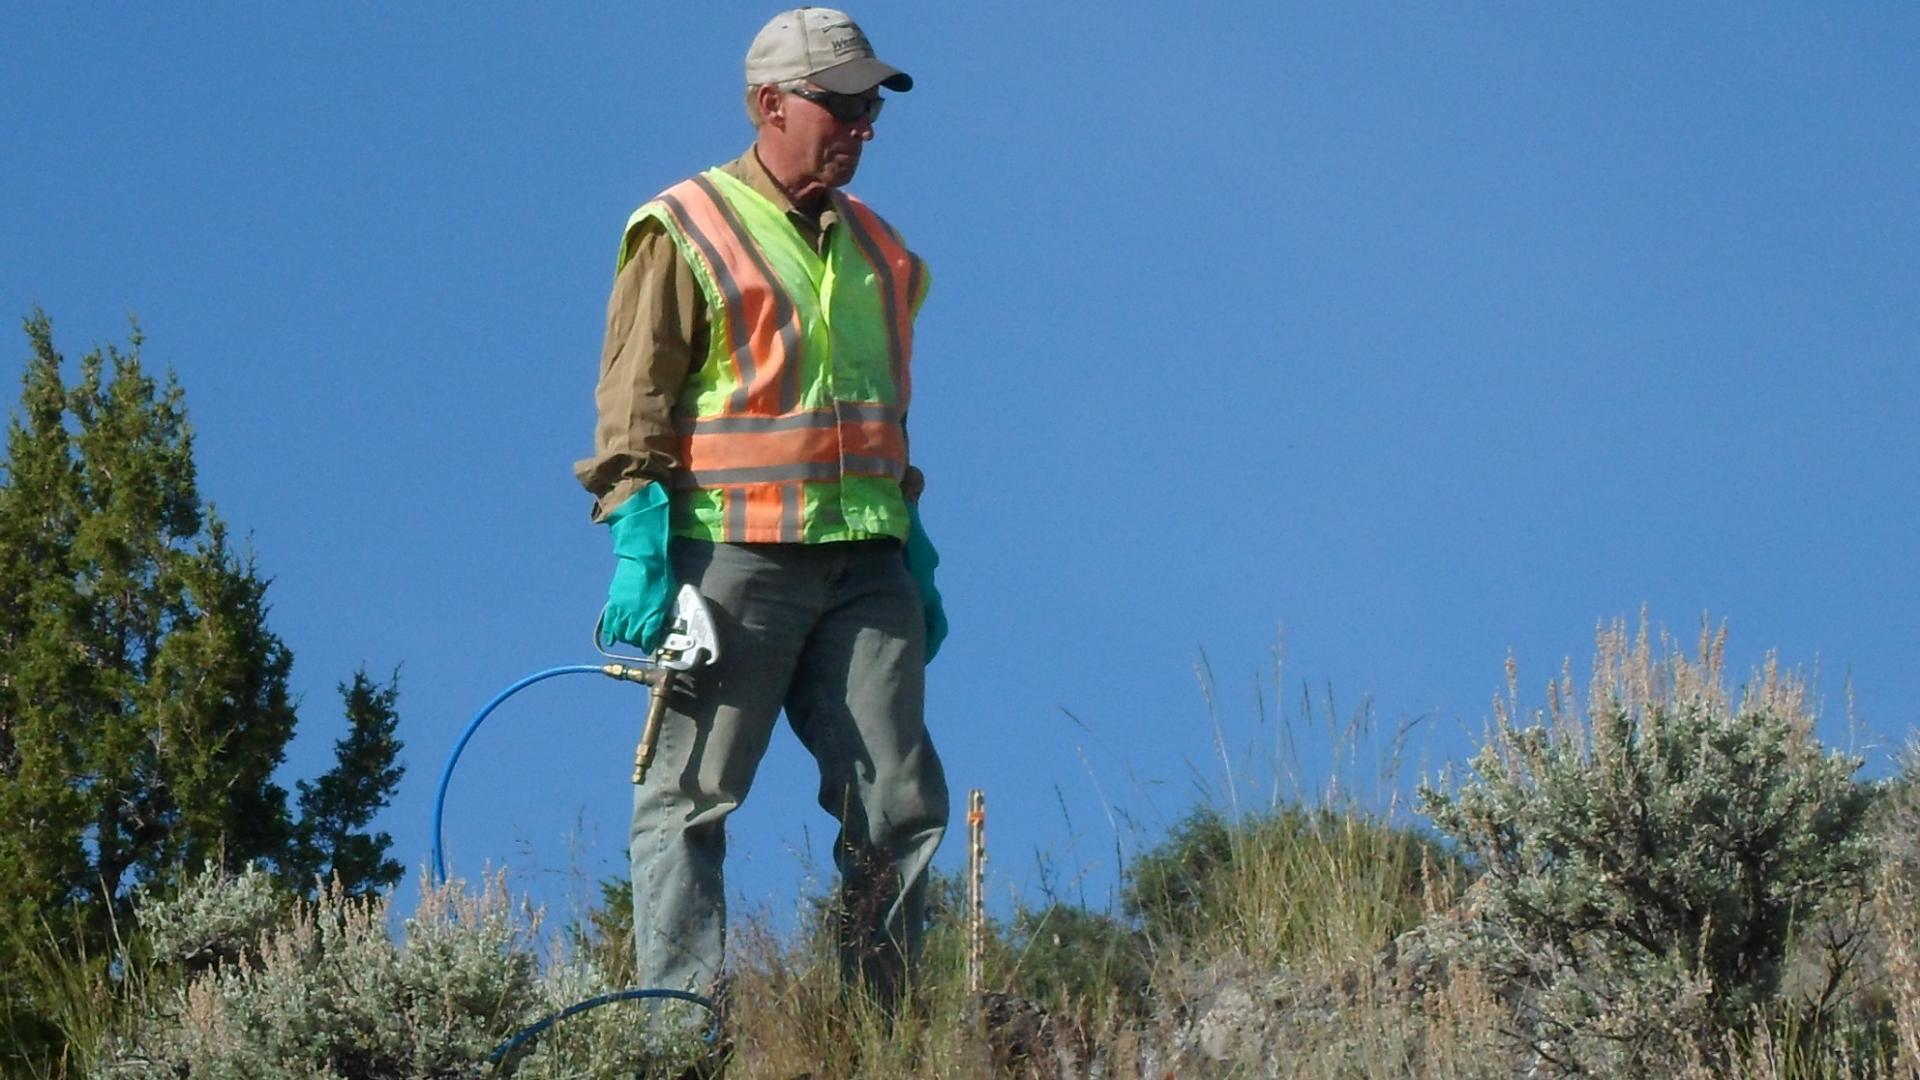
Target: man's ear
772	105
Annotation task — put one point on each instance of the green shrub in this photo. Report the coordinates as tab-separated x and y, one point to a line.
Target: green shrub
1645	866
1302	887
1069	959
323	988
214	918
327	992
1172	887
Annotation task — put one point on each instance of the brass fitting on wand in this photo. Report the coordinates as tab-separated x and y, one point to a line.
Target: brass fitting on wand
648	676
661	679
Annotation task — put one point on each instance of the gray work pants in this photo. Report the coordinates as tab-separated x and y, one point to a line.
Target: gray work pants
833	634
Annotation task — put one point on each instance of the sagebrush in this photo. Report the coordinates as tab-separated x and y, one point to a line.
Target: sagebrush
1665	877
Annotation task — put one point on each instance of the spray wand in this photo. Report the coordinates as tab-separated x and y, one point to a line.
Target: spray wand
692	641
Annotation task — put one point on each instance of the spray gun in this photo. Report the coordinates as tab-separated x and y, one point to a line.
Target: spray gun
691	642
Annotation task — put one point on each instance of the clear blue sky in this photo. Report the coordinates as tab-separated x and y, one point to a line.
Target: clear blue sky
1426	331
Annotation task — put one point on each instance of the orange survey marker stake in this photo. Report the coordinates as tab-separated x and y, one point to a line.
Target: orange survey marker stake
976	887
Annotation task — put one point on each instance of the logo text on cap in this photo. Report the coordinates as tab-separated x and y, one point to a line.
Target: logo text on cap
849	43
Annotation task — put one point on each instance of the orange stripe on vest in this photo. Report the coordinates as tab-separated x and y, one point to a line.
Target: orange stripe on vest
762	325
750	450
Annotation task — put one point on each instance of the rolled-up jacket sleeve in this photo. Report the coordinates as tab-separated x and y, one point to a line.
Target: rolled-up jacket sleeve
656	335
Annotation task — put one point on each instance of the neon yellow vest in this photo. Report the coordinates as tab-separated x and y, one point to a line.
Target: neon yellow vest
793	428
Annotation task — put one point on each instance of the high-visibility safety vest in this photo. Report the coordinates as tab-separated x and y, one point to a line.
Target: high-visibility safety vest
793	428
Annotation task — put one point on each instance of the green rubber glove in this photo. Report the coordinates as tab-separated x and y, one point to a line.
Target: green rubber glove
922	560
640	600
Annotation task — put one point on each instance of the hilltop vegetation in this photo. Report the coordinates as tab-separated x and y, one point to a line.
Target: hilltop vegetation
1671	879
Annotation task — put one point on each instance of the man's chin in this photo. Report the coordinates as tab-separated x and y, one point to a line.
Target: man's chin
839	171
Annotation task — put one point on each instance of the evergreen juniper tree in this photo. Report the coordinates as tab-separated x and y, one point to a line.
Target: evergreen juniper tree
336	809
144	708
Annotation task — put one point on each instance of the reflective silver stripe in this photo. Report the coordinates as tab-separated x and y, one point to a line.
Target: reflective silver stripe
729	291
882	273
865	465
735	529
783	312
753	425
756	474
790	513
867	412
858	412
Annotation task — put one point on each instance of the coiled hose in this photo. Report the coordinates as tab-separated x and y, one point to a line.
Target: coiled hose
615	671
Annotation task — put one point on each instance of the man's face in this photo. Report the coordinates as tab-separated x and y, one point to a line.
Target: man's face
827	146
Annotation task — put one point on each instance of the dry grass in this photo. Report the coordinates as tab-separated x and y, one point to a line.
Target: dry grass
1295	937
1321	1003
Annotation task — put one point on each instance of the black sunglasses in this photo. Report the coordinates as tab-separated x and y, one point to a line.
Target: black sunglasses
846	108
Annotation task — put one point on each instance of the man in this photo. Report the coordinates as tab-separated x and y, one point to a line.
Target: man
752	441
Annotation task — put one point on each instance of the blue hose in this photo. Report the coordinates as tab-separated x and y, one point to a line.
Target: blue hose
528	1032
446	774
440	873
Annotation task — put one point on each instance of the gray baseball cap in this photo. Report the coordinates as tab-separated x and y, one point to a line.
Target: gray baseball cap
823	46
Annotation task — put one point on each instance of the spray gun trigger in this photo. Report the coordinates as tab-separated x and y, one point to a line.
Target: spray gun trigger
692	641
